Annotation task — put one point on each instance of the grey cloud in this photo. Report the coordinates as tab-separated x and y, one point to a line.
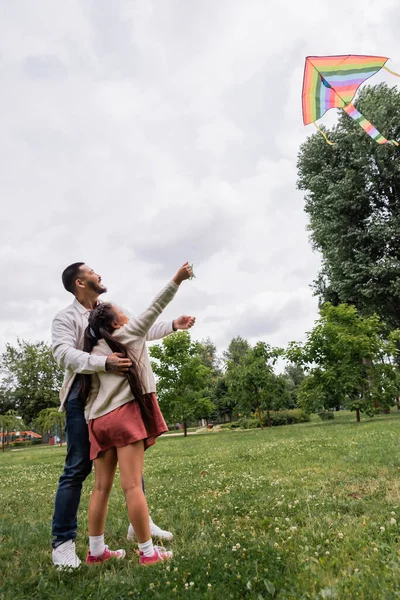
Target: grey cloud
44	67
196	242
263	322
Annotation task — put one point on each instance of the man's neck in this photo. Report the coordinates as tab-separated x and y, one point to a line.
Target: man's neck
89	301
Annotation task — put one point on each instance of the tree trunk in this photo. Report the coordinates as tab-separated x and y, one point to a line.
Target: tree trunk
2	439
269	422
184	428
260	417
358	415
387	411
398	402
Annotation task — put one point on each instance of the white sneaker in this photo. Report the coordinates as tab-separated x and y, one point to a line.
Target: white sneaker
64	556
155	532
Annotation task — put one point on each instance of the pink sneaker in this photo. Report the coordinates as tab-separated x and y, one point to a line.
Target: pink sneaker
159	555
107	554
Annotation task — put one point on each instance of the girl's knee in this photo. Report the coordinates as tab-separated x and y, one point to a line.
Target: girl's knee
103	487
131	487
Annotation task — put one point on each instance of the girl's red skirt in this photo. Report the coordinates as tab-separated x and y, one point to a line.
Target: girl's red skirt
126	425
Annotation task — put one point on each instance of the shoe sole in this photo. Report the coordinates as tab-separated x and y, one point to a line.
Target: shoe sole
156	562
107	559
67	567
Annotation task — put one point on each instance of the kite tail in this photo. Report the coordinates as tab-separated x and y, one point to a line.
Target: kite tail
324	134
391	72
351	110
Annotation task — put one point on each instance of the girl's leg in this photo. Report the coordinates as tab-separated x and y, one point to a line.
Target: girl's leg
104	469
130	459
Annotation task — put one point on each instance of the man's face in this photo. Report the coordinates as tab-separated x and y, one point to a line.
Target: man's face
91	280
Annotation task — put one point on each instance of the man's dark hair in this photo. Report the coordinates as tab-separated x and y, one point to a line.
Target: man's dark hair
70	275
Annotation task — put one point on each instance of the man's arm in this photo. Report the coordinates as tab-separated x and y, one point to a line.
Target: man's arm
65	351
69	357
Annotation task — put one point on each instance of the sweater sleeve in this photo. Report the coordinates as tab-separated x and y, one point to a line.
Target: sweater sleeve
140	326
159	331
65	351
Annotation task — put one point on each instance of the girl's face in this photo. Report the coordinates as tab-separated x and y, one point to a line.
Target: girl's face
121	318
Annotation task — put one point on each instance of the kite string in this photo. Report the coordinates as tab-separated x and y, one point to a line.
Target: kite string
390	71
324	134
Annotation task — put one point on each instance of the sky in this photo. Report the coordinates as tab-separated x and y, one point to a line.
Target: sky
138	134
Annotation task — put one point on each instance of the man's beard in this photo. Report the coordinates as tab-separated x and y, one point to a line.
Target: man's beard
96	287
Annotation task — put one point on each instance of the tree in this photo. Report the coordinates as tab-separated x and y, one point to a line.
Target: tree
352	194
207	351
222	398
183	379
236	351
254	382
8	422
31	377
348	361
48	418
294	375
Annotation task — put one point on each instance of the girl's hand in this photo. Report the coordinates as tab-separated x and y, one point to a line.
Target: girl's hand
185	272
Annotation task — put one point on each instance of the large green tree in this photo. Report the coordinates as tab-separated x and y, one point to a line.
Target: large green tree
183	380
31	377
236	350
51	418
254	383
352	198
294	375
9	421
207	351
349	362
223	398
6	401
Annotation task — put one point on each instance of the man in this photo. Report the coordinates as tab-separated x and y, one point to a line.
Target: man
67	342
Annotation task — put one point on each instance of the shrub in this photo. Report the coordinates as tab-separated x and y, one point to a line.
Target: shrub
326	415
280	417
287	417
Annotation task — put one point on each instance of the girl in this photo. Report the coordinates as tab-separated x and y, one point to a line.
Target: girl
124	419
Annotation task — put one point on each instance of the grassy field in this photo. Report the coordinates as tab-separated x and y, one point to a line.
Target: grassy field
305	511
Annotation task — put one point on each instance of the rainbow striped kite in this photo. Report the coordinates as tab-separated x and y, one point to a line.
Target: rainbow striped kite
332	82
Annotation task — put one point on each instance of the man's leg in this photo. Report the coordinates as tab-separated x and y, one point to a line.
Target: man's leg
155	530
77	467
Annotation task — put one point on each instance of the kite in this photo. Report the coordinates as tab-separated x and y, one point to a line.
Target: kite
193	275
332	82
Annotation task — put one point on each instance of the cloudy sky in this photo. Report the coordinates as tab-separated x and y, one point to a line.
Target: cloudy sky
137	134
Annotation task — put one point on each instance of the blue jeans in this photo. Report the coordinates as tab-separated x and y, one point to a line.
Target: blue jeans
77	467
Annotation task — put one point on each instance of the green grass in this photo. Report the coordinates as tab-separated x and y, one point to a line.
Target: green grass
311	510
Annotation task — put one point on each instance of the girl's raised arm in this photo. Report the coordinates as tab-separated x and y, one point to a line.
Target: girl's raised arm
139	326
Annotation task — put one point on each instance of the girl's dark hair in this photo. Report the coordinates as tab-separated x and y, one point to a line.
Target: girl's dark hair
100	328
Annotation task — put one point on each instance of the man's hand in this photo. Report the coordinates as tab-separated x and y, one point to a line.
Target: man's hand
184	322
117	363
